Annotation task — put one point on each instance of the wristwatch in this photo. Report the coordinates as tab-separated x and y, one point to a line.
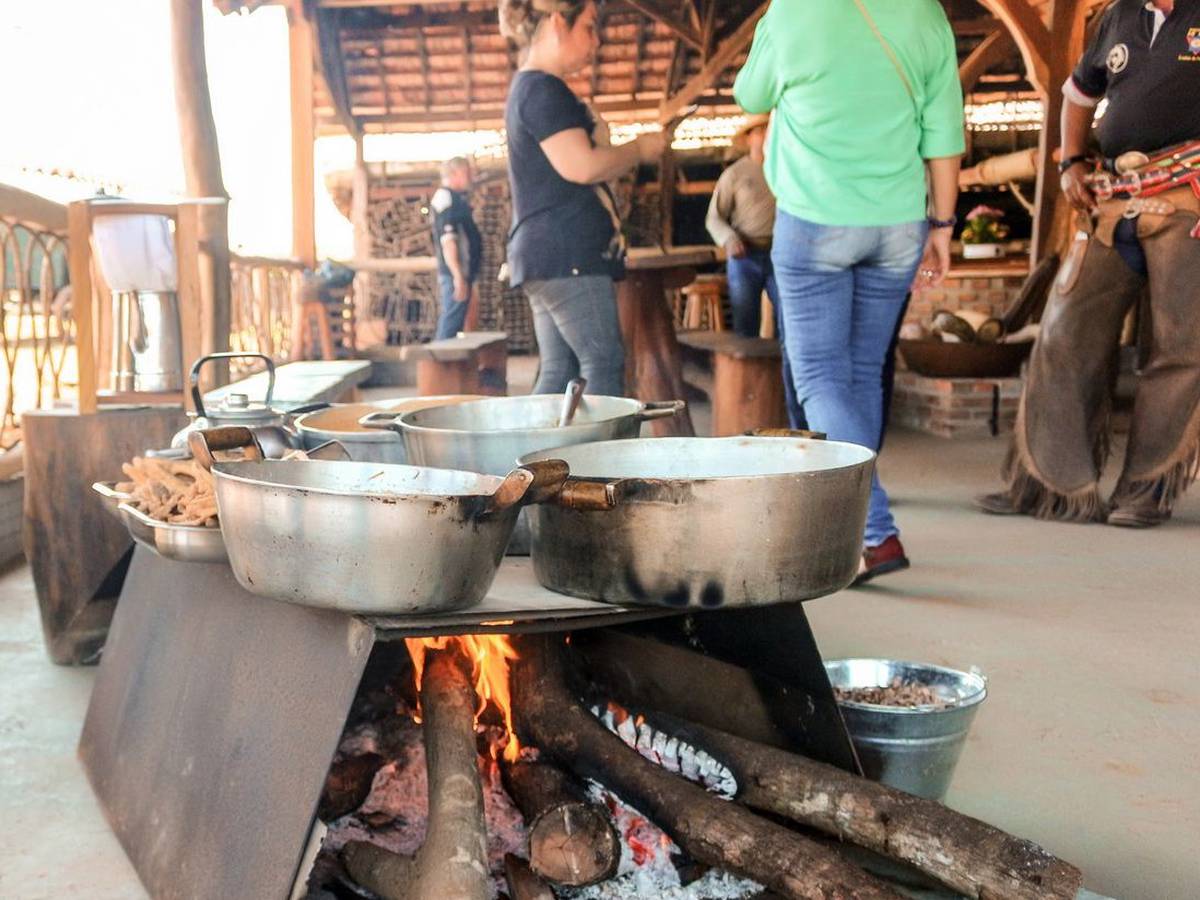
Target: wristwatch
1072	160
942	223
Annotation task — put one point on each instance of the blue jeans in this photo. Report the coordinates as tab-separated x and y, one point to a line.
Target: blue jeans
453	312
843	290
578	333
748	277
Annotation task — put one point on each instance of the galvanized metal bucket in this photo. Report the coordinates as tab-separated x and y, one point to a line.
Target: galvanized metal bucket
916	748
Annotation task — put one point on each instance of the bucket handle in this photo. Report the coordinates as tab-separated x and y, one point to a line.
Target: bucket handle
534	482
787	433
205	442
660	409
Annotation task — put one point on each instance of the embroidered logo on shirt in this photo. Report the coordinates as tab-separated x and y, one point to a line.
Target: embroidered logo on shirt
1193	42
1118	58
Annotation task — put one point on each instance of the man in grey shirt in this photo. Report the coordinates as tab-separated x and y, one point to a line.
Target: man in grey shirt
741	218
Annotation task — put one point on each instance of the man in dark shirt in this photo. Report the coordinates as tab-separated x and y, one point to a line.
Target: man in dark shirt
458	245
1138	209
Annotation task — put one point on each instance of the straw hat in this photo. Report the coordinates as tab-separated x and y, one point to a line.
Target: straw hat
752	122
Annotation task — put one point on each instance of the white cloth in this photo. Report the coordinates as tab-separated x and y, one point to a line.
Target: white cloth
135	252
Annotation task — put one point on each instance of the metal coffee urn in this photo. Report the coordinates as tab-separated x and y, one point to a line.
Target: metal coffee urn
136	254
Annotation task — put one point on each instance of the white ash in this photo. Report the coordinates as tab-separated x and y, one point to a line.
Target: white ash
669	752
647	869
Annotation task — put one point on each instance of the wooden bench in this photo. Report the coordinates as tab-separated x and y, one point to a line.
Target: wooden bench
77	552
747	387
475	362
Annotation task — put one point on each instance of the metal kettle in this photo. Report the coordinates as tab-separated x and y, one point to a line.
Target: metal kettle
235	408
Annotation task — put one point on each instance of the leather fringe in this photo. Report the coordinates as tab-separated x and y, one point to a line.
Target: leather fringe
1032	497
1168	485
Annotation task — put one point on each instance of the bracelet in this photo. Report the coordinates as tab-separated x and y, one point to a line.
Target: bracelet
1071	161
942	223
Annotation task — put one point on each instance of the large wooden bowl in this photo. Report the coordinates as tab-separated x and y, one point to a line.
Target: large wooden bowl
945	359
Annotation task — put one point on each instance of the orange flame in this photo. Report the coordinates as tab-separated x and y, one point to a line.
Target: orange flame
490	655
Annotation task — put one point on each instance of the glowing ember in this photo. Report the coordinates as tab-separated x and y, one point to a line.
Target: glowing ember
489	655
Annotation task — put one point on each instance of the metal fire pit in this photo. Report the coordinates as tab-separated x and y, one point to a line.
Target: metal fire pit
216	713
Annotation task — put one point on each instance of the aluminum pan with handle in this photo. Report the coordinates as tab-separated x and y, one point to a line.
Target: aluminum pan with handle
704	522
371	538
186	543
489	435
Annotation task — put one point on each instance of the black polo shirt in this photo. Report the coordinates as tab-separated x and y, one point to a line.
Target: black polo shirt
1152	88
452	215
560	229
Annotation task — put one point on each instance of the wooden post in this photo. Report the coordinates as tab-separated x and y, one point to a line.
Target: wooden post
202	171
668	175
189	288
79	259
300	55
1051	214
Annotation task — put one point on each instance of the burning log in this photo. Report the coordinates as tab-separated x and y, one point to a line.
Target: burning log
453	860
713	831
961	852
645	672
572	841
523	884
348	785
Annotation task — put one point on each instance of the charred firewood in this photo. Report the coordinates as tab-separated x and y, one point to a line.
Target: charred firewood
523	883
713	831
348	785
572	841
961	852
453	860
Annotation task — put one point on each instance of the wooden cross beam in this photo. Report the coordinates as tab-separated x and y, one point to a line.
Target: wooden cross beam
681	28
720	60
992	50
1032	37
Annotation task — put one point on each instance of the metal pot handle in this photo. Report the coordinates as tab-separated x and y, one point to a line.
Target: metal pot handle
787	432
535	482
107	491
660	409
591	496
384	420
194	377
206	442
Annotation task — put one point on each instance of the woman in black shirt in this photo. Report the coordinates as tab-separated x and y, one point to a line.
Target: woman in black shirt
565	248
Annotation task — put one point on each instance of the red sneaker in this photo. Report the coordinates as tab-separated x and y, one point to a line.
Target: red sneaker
886	557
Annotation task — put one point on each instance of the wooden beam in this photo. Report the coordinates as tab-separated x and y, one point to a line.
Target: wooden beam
668	176
991	51
466	64
639	51
300	55
202	173
708	29
721	59
423	56
79	260
683	30
331	65
1051	212
1032	37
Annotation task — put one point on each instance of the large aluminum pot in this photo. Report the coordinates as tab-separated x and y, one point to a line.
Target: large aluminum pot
705	522
340	423
488	435
368	537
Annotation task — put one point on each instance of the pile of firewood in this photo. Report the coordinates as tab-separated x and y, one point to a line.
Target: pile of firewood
729	802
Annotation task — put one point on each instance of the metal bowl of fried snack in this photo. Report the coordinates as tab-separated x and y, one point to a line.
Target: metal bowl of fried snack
169	505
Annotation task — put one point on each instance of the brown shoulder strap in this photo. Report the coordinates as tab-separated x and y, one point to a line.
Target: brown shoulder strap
887	48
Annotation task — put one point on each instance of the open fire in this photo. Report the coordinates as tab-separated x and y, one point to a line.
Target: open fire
607	799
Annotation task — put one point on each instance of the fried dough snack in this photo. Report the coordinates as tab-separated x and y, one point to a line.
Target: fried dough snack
180	492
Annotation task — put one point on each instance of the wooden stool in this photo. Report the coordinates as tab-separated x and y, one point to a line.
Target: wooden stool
472	363
316	310
747	381
704	307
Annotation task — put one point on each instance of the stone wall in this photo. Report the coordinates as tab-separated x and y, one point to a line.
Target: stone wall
989	287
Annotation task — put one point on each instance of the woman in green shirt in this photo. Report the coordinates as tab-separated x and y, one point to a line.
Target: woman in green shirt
866	105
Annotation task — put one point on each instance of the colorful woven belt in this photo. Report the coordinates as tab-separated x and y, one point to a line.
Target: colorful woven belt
1142	175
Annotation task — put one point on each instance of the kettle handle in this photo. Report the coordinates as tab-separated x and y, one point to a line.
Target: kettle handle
194	377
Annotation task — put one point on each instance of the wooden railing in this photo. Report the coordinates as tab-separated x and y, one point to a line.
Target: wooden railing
36	330
263	306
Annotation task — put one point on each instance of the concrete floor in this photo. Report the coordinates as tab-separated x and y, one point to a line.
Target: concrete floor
1087	743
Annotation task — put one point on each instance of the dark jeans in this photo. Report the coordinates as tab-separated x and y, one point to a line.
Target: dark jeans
453	312
578	333
748	277
842	291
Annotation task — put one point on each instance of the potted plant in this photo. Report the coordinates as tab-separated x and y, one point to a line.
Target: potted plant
983	235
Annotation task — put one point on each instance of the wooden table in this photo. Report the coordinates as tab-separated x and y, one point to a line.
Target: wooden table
747	381
653	364
301	383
